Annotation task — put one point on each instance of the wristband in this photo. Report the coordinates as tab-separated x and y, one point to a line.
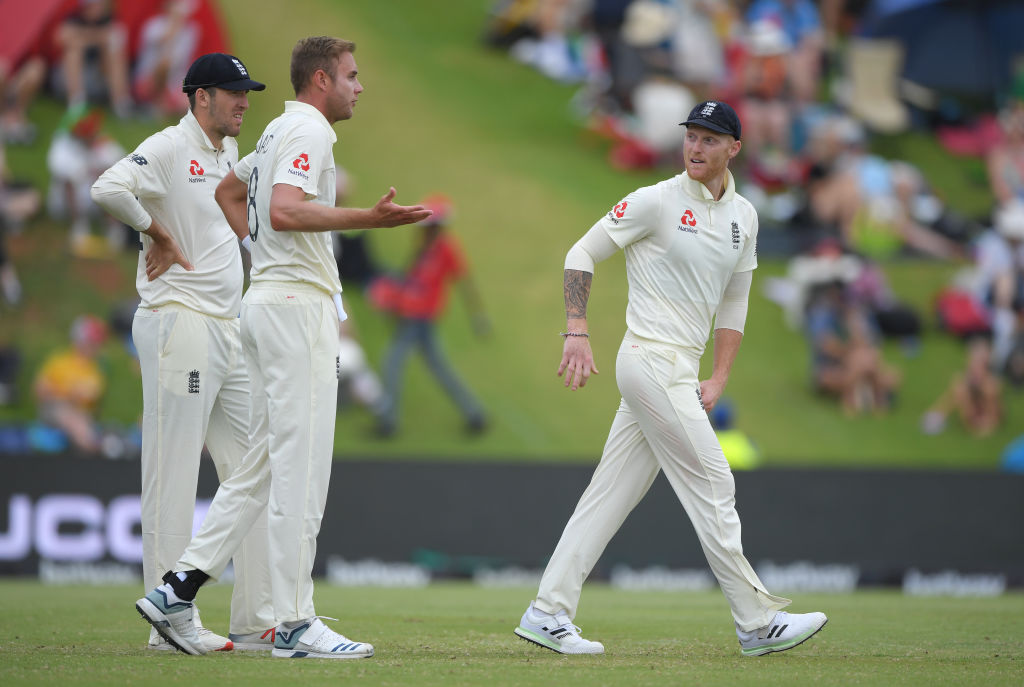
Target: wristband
583	334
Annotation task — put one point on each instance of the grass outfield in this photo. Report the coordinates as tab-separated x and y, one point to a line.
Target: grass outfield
460	634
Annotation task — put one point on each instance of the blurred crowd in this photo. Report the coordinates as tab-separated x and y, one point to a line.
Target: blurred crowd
107	61
816	84
101	61
814	93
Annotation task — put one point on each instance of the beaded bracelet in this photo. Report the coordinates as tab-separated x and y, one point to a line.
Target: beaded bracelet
583	334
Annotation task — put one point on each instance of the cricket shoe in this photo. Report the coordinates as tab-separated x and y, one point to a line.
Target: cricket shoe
210	639
254	641
785	631
313	639
174	621
555	632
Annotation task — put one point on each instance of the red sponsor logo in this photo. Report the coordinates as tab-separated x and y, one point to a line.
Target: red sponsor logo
195	169
301	162
620	209
688	219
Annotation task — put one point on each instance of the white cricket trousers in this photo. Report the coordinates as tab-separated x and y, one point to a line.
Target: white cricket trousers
290	339
195	390
660	425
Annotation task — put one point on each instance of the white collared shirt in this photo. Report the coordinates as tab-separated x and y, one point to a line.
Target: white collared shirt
682	247
171	178
295	149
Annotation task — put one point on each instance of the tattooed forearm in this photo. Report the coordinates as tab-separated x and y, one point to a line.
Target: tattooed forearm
577	293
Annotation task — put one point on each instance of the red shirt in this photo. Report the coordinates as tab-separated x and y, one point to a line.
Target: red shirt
425	292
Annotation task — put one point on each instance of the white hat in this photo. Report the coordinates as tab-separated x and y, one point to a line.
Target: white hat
1010	220
647	23
766	38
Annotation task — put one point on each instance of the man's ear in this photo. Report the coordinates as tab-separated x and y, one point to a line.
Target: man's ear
735	149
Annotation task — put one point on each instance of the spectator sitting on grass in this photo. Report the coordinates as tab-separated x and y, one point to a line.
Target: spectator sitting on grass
973	394
19	83
845	357
69	385
19	200
78	154
94	57
1005	162
167	47
1000	275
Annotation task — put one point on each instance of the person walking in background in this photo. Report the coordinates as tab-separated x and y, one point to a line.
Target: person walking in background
194	382
418	300
282	195
691	248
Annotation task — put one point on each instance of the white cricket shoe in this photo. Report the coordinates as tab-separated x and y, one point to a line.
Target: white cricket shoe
313	639
555	632
785	631
174	621
254	641
210	639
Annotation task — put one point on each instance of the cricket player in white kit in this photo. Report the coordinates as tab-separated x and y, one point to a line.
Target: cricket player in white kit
690	244
186	330
282	195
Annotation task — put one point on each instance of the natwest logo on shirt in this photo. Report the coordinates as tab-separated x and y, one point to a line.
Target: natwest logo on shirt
618	212
300	165
196	172
688	222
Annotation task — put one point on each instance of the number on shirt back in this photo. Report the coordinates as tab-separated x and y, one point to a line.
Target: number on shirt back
251	216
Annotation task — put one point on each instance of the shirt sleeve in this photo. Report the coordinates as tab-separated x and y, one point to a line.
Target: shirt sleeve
732	311
634	217
243	168
596	245
748	258
300	159
146	173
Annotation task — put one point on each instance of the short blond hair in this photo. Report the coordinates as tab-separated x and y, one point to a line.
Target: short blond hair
313	53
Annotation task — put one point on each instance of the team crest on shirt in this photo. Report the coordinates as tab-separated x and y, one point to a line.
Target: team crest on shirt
688	222
300	166
138	159
618	212
735	236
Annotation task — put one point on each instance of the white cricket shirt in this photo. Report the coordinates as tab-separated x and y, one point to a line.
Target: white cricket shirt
171	178
295	149
682	247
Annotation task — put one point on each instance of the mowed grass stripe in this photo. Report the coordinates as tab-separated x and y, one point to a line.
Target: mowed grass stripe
461	634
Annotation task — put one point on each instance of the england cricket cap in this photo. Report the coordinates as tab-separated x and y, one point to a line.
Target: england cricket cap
220	70
715	115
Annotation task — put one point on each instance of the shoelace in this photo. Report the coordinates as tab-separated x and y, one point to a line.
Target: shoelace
325	617
564	621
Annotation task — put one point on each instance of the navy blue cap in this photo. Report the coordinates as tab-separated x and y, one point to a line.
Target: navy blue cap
715	115
220	70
